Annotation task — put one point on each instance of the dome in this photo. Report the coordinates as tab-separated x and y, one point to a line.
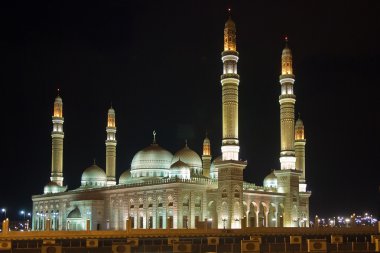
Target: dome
125	177
270	180
75	214
299	123
213	170
52	187
230	23
152	161
94	176
111	111
188	156
58	99
180	169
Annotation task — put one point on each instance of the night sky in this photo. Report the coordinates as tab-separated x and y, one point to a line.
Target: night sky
159	65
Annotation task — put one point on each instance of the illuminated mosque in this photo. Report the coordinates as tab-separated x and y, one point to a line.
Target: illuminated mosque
184	190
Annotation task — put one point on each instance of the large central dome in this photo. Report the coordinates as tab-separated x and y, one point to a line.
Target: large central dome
152	161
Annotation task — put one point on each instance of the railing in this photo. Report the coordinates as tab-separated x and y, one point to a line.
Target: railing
252	187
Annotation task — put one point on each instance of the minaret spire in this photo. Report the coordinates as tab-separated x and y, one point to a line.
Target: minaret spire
230	83
206	156
111	147
287	101
57	136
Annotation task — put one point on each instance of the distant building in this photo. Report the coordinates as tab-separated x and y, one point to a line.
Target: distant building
162	190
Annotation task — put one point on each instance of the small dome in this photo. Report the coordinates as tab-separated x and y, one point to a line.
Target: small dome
94	176
299	123
270	180
213	170
75	214
229	23
188	156
125	177
52	187
180	169
111	111
58	99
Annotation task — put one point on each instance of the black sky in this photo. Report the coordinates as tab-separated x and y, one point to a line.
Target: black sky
158	62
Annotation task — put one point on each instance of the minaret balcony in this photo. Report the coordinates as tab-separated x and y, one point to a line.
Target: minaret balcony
230	52
229	75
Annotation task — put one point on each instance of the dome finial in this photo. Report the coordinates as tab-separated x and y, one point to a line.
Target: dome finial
186	143
299	115
94	161
154	136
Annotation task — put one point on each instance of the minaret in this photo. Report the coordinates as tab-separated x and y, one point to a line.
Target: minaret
299	145
230	83
230	168
111	147
57	136
287	101
206	157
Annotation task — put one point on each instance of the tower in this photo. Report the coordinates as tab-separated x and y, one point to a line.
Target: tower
288	177
111	147
287	101
230	96
299	145
206	157
57	136
230	168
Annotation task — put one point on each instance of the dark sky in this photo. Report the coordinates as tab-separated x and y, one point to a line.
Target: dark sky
159	64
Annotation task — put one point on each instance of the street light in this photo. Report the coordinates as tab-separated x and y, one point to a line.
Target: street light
4	211
224	223
23	213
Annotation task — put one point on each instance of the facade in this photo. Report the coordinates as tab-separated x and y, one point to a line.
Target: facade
181	190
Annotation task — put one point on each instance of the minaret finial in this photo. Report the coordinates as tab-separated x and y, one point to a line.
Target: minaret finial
154	136
58	92
111	104
299	115
286	40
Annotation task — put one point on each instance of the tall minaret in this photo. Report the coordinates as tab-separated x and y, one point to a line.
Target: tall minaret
299	145
230	83
287	101
111	147
206	157
57	136
230	168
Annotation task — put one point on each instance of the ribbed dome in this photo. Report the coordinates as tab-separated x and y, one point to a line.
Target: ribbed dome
180	169
125	177
152	161
94	176
152	157
270	180
213	170
75	214
52	187
188	156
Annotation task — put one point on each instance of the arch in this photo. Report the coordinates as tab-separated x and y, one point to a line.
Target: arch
212	214
252	215
280	215
262	215
272	215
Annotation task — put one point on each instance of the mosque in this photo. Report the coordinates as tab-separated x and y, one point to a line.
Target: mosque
184	190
